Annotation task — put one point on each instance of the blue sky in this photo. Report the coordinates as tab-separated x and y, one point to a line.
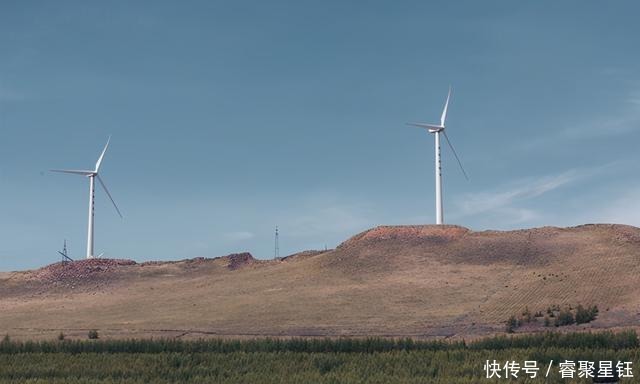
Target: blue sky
228	118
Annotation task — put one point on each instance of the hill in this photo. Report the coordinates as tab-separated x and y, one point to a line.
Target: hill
419	281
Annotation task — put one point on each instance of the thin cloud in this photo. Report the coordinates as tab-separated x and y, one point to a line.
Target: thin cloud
239	235
628	122
625	120
634	100
504	200
510	205
332	219
622	209
521	215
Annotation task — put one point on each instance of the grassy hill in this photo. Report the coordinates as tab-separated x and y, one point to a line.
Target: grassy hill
419	281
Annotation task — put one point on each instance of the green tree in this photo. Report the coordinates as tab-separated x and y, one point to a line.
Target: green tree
565	317
512	324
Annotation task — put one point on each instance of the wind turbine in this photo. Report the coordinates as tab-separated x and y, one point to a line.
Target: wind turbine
92	175
437	130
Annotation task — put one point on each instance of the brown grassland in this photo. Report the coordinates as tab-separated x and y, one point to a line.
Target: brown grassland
404	281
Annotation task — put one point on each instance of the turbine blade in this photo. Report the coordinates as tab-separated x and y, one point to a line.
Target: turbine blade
446	106
102	154
423	125
108	194
73	171
456	155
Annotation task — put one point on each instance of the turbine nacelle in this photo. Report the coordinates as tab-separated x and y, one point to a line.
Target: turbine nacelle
432	128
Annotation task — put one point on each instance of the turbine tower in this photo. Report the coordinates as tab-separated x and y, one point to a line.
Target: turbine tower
92	175
437	130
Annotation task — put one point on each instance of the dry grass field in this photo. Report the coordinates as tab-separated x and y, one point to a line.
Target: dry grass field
418	281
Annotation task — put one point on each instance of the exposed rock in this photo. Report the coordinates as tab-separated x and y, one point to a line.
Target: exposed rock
238	260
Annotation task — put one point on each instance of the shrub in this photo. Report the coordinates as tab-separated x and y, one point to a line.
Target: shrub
93	334
565	317
512	324
584	315
61	336
526	315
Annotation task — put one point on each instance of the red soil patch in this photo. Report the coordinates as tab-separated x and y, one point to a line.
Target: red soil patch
238	260
303	255
78	270
432	233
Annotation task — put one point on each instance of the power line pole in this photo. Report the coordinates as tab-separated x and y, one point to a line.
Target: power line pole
276	251
64	254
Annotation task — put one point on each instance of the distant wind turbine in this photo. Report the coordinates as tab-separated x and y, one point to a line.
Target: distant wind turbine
437	129
92	175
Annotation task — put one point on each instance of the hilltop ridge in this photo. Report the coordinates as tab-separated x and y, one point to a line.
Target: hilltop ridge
420	281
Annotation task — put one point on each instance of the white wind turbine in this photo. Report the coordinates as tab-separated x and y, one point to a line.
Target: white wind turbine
92	175
437	130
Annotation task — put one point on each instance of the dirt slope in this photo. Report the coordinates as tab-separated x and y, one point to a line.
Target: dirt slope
421	281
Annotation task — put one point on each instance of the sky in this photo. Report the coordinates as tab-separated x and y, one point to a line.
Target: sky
231	117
